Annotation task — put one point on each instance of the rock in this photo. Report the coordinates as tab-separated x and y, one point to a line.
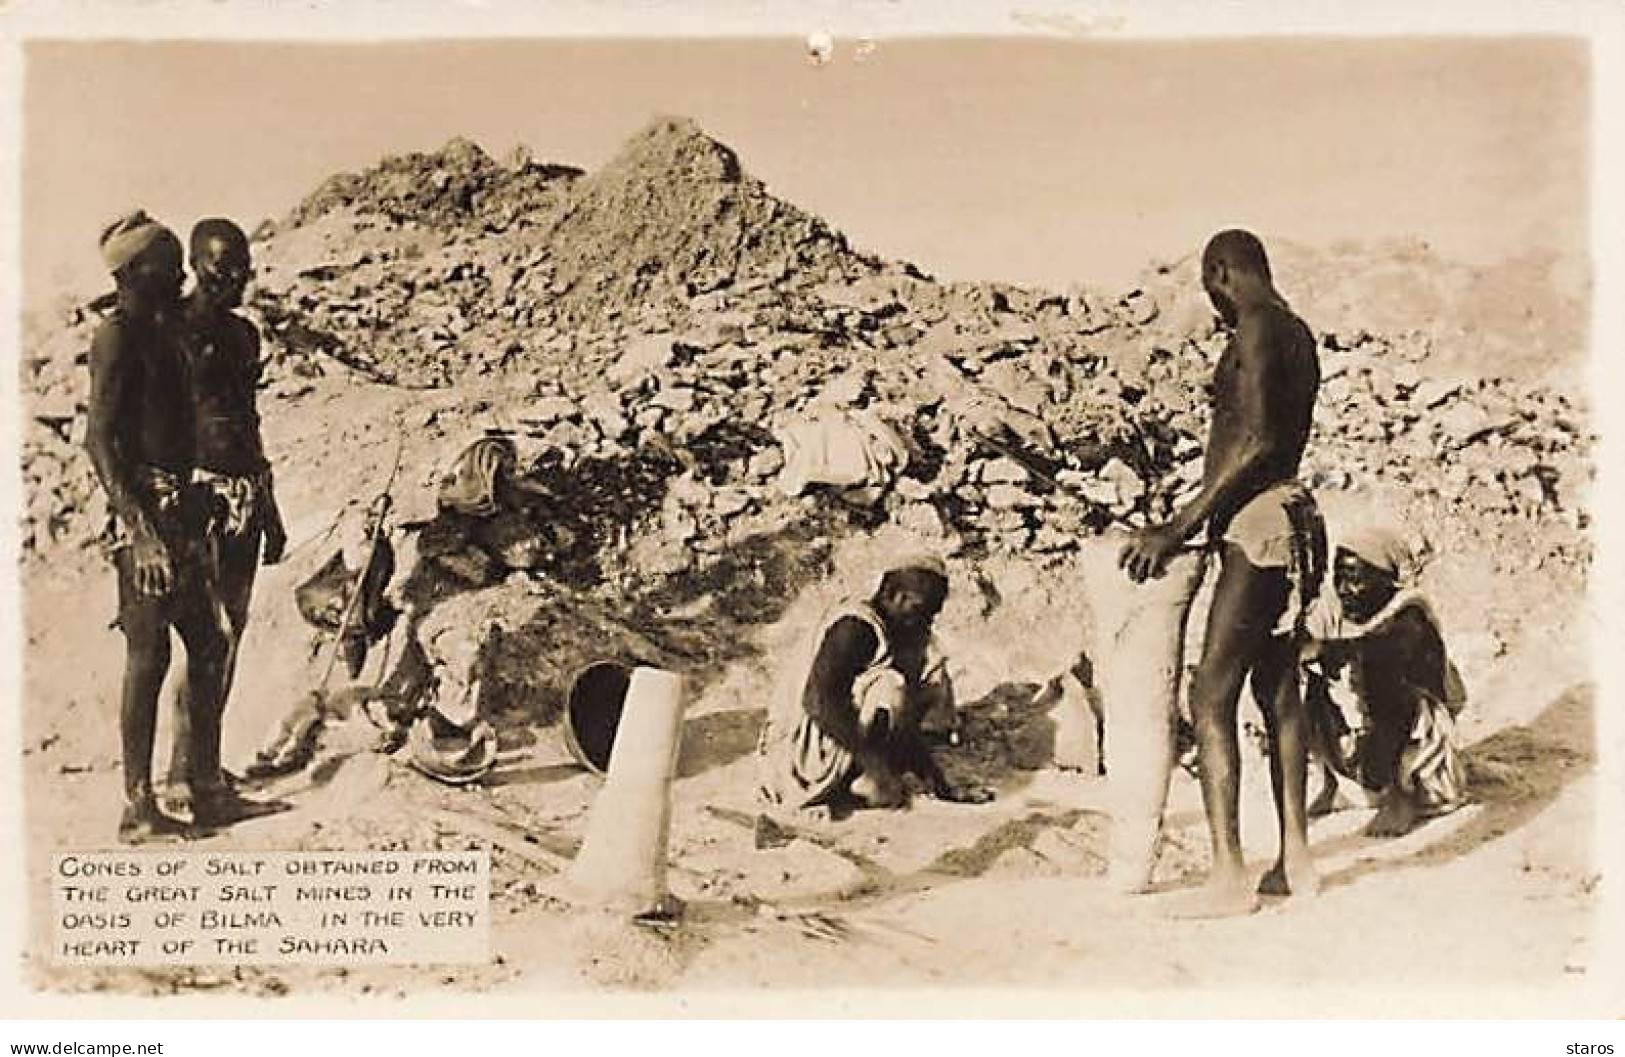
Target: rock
1433	394
845	390
765	464
687	491
1020	863
727	502
1009	497
922	519
1466	421
1003	470
641	358
678	399
1096	491
797	871
550	409
667	311
1126	484
1048	538
605	412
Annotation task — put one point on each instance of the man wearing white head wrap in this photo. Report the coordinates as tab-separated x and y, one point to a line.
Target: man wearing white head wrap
140	437
844	727
1379	647
130	236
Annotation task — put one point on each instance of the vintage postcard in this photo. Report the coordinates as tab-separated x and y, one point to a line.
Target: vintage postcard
669	515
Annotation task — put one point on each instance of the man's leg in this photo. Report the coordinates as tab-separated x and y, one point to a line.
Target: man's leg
1275	688
1393	717
237	564
203	631
203	627
1247	601
146	644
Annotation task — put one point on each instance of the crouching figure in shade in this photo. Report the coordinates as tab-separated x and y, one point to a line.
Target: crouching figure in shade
1382	693
844	728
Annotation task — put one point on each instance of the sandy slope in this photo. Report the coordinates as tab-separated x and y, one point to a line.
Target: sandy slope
1009	894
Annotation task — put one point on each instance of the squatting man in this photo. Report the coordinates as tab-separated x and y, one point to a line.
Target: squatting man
844	728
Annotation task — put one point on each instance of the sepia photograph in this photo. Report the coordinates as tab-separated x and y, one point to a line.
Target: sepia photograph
1044	510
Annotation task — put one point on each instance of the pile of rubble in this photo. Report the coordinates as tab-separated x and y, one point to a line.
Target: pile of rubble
661	323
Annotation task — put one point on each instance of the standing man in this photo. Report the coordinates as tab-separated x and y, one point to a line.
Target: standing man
140	438
223	355
1272	558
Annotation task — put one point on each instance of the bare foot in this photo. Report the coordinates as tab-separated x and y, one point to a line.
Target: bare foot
1227	898
143	823
1300	880
1397	816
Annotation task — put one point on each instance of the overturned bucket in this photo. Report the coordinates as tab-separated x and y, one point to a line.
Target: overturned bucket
592	713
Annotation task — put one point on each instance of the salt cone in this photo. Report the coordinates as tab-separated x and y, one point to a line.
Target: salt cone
1138	647
622	862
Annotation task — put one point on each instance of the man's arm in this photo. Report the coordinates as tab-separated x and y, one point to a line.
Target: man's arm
848	648
111	364
251	371
276	534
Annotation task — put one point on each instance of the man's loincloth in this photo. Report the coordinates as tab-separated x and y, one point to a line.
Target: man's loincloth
1281	527
236	502
179	513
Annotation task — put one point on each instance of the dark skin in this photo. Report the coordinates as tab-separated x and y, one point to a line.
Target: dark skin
1263	398
224	354
887	751
137	415
1397	665
140	415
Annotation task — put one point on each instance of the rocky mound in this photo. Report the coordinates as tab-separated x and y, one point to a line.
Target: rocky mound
651	325
457	185
672	216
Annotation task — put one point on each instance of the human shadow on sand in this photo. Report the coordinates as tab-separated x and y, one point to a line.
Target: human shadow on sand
1512	776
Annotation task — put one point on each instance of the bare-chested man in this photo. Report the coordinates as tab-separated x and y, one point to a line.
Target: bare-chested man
1272	549
141	441
223	354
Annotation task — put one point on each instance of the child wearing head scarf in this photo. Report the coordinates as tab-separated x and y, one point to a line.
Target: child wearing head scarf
1382	693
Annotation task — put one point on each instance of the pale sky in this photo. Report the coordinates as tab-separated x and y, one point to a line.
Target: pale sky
1041	161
